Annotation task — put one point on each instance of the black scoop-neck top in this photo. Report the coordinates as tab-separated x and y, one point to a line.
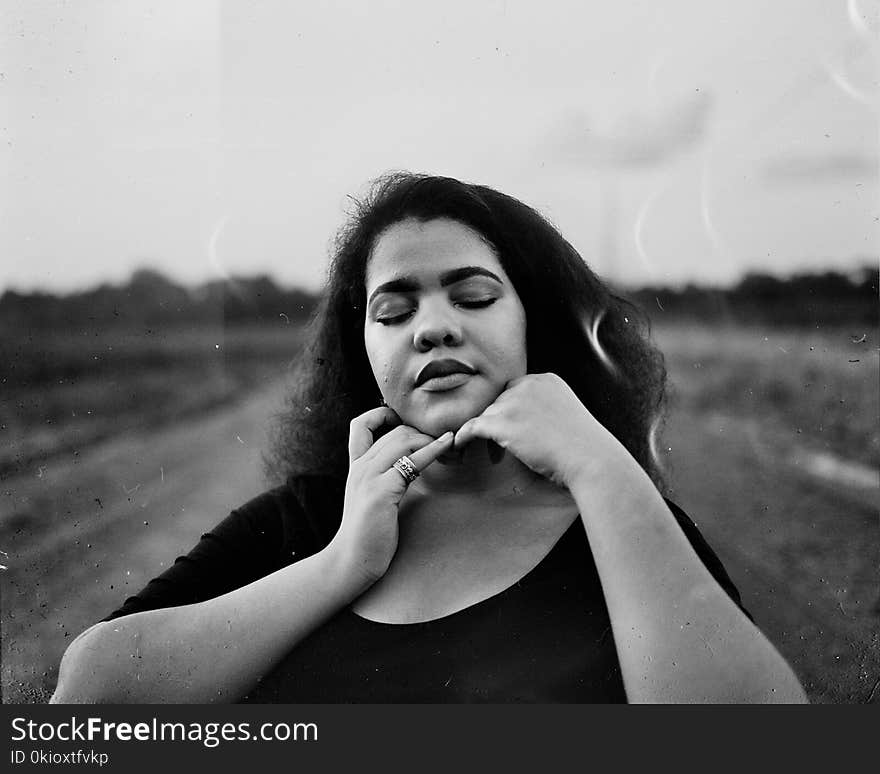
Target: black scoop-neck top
546	638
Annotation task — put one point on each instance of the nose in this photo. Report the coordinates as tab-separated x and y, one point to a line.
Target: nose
436	326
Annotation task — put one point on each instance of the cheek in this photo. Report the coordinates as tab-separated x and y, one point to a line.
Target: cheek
516	344
387	376
507	353
517	360
386	370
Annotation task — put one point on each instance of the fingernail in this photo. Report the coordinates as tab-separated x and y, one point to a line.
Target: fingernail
446	436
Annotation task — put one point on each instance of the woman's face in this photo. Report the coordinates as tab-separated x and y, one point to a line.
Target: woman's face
436	292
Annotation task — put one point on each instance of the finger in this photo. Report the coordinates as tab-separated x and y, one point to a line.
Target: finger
462	439
392	446
423	457
483	426
361	429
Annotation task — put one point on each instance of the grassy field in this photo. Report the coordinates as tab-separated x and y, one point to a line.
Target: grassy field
64	391
817	386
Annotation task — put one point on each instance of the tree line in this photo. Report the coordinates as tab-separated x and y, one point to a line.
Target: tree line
803	299
150	299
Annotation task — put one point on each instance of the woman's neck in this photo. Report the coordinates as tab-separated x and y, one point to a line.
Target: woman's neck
476	470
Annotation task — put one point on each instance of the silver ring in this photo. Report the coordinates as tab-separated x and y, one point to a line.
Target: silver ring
407	469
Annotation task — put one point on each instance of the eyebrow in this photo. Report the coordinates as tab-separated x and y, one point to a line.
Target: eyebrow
408	284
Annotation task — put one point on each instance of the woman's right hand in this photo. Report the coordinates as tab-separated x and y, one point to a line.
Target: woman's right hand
367	538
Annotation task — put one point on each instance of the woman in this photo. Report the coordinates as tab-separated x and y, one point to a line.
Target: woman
472	509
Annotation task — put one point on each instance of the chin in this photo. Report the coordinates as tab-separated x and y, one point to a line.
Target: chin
438	420
437	426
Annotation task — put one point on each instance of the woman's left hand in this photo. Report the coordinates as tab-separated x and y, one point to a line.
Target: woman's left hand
540	420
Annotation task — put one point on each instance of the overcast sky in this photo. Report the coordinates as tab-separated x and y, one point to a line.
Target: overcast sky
669	141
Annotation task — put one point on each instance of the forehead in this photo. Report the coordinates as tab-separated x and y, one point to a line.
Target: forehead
421	250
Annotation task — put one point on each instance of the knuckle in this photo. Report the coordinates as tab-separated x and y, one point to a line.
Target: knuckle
411	436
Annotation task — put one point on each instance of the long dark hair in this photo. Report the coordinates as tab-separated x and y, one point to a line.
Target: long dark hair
576	327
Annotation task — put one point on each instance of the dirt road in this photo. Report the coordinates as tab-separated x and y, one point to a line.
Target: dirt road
802	549
81	534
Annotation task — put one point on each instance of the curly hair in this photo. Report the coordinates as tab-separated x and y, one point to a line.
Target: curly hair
576	327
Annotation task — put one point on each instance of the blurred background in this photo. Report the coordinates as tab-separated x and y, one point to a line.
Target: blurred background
173	175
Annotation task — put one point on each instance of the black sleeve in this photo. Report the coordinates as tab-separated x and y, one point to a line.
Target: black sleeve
260	537
707	555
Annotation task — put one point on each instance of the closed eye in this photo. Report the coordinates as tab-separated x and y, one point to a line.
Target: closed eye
479	304
399	318
395	319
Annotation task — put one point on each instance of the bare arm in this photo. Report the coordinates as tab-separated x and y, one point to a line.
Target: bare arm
679	636
213	651
216	651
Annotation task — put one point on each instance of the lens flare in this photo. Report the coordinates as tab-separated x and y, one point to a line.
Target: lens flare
639	231
725	255
705	211
591	328
232	284
847	87
857	20
653	440
212	248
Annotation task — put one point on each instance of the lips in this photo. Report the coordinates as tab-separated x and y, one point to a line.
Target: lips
444	367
